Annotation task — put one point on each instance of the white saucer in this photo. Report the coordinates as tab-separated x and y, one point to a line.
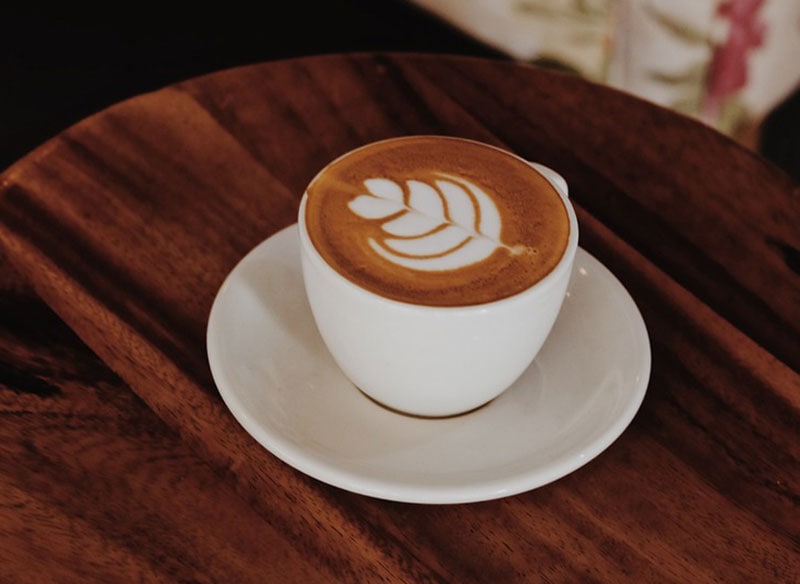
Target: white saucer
279	381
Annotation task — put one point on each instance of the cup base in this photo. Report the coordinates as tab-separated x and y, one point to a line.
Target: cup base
424	416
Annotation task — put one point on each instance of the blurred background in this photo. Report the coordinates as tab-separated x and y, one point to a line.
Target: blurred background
732	64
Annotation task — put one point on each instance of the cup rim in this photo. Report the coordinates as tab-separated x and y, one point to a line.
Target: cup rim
564	263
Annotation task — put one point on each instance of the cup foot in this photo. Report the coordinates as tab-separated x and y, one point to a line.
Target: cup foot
422	416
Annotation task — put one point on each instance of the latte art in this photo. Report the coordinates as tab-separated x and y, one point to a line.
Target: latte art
436	220
444	226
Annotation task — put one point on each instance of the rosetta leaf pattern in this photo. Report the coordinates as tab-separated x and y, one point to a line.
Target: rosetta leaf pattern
446	225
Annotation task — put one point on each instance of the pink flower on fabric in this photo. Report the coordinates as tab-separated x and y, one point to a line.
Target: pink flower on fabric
728	69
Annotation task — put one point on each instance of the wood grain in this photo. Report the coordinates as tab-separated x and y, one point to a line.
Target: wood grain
126	224
94	486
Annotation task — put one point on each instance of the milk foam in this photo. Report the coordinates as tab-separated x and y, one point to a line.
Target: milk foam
436	220
447	225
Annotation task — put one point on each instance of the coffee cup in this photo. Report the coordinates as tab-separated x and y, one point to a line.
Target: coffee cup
435	268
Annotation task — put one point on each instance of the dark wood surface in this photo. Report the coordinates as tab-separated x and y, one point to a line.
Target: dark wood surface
119	461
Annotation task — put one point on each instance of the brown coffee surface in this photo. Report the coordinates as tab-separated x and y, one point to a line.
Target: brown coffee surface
412	234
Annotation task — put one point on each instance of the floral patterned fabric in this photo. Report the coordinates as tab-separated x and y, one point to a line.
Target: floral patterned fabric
725	62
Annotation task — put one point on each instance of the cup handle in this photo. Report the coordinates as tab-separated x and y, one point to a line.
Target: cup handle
556	179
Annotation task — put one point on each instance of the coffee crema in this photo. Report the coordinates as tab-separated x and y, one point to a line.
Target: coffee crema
435	220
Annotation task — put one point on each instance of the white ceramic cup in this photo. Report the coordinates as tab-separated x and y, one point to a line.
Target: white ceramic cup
431	360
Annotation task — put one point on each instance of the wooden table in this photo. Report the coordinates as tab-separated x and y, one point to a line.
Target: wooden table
120	462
